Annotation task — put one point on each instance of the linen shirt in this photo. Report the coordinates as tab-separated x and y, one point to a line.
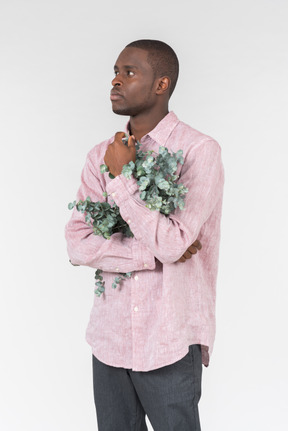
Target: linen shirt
150	320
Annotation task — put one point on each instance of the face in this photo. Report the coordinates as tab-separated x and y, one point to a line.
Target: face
133	86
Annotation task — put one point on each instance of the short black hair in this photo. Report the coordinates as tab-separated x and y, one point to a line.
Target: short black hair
161	57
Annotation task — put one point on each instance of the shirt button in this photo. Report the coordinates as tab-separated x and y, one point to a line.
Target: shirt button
113	194
117	269
136	308
145	265
136	277
129	221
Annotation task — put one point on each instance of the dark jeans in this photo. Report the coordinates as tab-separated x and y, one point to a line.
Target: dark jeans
168	395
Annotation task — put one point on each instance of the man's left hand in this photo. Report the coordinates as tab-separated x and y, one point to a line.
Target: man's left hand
193	249
118	154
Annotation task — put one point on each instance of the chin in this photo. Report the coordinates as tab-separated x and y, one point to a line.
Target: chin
119	111
122	111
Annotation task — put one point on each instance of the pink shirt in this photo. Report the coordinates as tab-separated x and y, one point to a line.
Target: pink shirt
151	319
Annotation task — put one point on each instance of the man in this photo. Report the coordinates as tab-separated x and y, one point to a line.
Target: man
150	336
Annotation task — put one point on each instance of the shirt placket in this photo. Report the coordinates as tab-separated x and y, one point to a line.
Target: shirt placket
137	310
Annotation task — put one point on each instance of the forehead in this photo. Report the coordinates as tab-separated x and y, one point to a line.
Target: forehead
133	57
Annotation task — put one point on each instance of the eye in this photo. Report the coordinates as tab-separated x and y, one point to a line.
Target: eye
116	72
130	73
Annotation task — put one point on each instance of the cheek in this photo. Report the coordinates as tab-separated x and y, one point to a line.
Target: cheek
136	90
139	91
144	95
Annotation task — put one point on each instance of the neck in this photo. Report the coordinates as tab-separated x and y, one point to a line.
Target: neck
142	124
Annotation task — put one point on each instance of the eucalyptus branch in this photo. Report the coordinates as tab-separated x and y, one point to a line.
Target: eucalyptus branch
158	187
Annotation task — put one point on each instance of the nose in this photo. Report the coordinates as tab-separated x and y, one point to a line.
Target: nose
116	81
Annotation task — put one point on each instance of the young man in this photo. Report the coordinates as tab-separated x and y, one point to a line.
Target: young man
150	337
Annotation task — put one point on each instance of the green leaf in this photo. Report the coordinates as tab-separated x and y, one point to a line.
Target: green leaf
111	176
143	182
125	140
128	169
103	168
71	205
99	291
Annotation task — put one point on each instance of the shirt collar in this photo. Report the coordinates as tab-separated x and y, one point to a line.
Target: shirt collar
162	131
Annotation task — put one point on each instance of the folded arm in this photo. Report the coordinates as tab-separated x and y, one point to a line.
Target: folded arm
119	254
168	237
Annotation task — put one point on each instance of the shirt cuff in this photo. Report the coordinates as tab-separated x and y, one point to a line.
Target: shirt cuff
143	256
120	186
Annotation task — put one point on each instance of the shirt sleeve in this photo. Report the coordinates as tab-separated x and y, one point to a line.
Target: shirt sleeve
119	253
168	237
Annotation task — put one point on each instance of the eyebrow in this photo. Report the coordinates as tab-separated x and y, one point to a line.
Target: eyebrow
125	67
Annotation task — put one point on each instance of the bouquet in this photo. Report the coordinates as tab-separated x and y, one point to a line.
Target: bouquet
158	187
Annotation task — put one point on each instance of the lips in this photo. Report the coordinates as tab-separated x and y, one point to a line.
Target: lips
115	95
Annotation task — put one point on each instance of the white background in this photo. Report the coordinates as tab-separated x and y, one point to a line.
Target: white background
57	62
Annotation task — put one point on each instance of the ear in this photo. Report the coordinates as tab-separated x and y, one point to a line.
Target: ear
163	85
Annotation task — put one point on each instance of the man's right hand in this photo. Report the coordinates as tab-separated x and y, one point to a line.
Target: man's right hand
193	249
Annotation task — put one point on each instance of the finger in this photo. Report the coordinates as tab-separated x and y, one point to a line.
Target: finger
192	249
187	254
118	137
197	244
131	141
182	259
